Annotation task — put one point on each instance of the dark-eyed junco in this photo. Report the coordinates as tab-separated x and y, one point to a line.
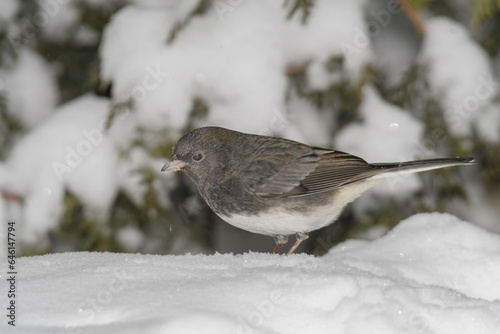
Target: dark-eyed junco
276	186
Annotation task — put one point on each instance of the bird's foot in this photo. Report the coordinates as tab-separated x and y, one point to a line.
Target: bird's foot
301	236
280	240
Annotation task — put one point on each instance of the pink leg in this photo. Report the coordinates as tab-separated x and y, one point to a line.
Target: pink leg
280	240
301	236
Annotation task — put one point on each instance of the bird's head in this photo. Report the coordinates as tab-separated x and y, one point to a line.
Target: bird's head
203	153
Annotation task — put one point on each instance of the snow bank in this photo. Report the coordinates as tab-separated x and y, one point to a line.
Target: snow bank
431	274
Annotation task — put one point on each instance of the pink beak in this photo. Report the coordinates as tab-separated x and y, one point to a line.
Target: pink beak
173	165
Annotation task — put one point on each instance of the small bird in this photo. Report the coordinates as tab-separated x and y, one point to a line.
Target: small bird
276	186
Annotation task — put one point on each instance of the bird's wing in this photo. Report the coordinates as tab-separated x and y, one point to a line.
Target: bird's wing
277	166
335	169
290	170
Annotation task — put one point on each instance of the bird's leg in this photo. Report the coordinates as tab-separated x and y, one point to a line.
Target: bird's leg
301	236
280	240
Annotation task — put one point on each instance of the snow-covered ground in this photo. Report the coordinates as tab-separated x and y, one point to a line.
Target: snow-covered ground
431	274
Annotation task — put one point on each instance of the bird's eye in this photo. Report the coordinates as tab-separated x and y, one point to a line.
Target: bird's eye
197	157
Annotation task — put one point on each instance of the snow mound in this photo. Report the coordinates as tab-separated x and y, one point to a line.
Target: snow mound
431	274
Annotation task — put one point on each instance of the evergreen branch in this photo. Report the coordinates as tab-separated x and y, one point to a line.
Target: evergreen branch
305	6
197	10
116	110
484	9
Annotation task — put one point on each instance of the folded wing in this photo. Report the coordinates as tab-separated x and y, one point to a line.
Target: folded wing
283	170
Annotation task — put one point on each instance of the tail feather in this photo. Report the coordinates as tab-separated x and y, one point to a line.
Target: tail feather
418	166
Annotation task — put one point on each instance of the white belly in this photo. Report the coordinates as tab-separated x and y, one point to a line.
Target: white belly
279	221
282	222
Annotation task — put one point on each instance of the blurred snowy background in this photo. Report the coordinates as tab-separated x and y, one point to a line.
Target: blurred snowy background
94	94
